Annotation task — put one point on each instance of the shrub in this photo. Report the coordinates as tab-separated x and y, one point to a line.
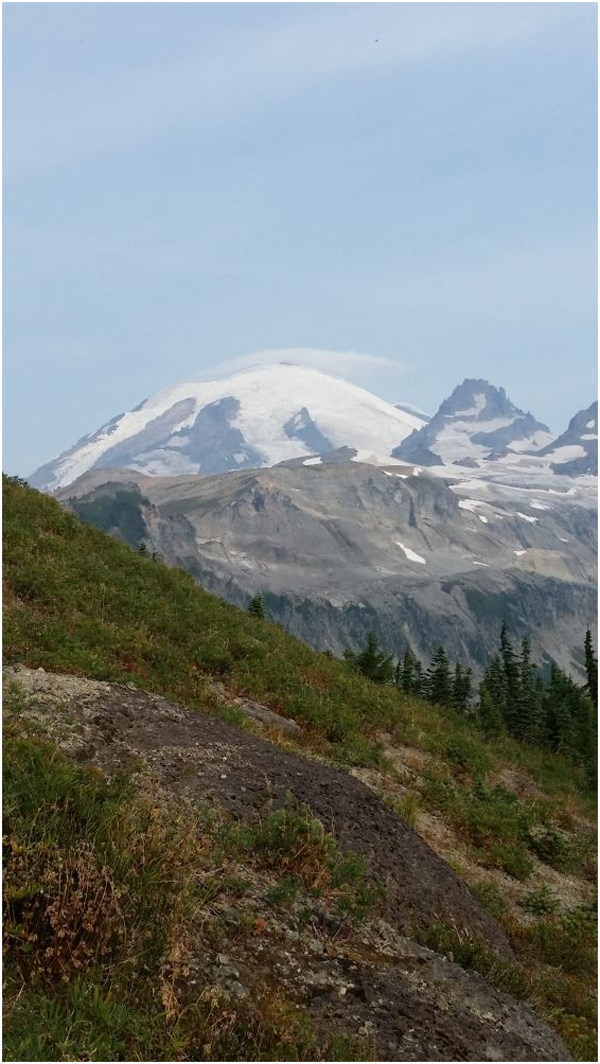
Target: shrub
512	858
552	848
569	941
468	755
540	901
92	872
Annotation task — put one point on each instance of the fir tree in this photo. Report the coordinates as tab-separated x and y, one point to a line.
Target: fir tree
409	673
372	662
494	688
489	714
461	688
512	678
419	680
528	724
257	606
438	680
591	668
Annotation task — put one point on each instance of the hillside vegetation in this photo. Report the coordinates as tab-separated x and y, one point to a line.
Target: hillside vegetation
515	821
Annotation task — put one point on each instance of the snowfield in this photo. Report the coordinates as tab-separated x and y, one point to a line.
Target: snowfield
270	398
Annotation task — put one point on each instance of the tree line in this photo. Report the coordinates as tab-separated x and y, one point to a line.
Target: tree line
514	696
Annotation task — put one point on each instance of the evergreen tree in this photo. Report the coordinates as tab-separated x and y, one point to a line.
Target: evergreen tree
512	680
591	668
493	696
461	688
419	680
438	680
257	606
529	723
409	673
489	714
558	712
372	662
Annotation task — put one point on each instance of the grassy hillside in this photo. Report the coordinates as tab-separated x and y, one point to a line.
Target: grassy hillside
517	823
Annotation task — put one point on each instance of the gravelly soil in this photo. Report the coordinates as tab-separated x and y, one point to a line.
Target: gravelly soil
409	1002
209	759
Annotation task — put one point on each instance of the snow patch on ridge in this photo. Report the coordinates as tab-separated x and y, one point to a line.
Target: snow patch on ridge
411	554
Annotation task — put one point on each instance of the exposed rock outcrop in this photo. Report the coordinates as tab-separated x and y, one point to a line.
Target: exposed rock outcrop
405	1001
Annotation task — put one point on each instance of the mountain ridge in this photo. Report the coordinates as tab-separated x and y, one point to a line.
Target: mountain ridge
340	549
284	413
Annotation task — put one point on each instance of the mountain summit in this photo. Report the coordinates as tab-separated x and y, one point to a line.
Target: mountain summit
476	422
575	452
260	417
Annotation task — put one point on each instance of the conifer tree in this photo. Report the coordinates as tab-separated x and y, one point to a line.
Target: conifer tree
372	662
408	673
511	677
438	680
559	720
490	716
591	668
419	680
494	687
528	724
461	688
257	606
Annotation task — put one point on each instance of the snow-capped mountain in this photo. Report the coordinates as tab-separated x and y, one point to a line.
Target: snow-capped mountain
259	417
475	424
575	452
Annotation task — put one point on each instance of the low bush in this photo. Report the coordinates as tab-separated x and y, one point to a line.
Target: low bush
540	901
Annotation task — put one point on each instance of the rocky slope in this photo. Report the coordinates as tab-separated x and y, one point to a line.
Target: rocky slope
339	550
374	981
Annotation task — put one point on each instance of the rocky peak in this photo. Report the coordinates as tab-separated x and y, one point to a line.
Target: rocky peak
475	422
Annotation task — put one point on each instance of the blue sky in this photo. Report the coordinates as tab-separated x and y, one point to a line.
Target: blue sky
186	184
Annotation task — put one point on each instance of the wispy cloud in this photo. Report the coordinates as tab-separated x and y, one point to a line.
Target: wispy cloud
351	365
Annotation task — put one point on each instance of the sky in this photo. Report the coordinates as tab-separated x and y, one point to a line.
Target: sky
403	194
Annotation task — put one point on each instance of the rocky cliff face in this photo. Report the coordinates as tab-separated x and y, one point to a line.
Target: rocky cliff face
338	550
